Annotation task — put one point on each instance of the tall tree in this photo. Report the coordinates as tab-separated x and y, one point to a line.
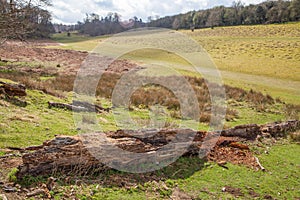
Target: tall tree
295	10
176	24
23	18
260	14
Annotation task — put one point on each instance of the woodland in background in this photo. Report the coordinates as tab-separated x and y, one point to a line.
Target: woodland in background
21	19
30	19
264	13
238	14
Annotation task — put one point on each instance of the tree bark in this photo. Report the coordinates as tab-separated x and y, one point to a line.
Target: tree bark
71	154
12	90
78	106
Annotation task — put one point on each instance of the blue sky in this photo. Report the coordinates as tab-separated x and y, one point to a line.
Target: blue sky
71	11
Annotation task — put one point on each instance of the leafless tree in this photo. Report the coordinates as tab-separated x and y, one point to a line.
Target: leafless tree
18	18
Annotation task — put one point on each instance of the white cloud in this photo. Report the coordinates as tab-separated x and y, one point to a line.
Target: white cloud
71	11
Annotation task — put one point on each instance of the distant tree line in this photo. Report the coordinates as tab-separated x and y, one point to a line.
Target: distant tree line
280	11
95	25
27	18
238	14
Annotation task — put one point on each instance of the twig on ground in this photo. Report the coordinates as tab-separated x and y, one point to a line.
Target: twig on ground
259	164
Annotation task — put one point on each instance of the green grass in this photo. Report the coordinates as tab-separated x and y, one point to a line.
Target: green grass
197	179
21	127
12	175
262	52
2	153
263	57
32	125
76	41
281	180
248	115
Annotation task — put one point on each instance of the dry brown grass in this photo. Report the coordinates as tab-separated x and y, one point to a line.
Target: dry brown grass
292	111
151	95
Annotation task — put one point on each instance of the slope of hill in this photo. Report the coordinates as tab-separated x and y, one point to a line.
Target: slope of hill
262	58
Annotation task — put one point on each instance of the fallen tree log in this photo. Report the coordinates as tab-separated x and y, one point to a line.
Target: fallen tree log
78	106
91	107
73	153
12	90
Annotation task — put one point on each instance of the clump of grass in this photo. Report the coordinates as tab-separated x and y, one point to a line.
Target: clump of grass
151	94
30	181
33	82
11	176
292	111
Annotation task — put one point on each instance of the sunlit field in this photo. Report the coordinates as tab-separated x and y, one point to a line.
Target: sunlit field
262	57
260	68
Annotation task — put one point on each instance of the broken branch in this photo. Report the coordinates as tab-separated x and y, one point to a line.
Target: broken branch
259	164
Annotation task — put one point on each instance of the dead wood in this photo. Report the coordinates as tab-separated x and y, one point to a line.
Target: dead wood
78	106
71	155
91	107
12	90
259	164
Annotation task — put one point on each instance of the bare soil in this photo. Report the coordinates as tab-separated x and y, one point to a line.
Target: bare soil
66	62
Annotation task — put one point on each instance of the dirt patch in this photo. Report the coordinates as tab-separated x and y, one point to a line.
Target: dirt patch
236	192
180	195
233	155
253	194
66	62
8	163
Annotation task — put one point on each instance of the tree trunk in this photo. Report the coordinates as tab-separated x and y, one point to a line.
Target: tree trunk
12	89
71	154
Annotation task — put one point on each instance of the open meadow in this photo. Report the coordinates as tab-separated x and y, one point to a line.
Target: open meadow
260	68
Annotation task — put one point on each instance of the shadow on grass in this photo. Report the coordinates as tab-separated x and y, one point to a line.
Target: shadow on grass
15	101
183	168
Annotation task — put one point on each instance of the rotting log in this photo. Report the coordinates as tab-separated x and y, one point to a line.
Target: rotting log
78	106
244	131
90	107
279	129
70	153
12	90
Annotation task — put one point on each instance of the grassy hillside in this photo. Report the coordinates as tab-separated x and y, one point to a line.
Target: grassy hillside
262	57
76	42
265	58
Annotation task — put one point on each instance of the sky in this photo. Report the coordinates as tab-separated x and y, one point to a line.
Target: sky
72	11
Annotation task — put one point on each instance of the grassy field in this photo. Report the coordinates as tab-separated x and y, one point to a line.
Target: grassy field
201	180
269	52
76	42
265	58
